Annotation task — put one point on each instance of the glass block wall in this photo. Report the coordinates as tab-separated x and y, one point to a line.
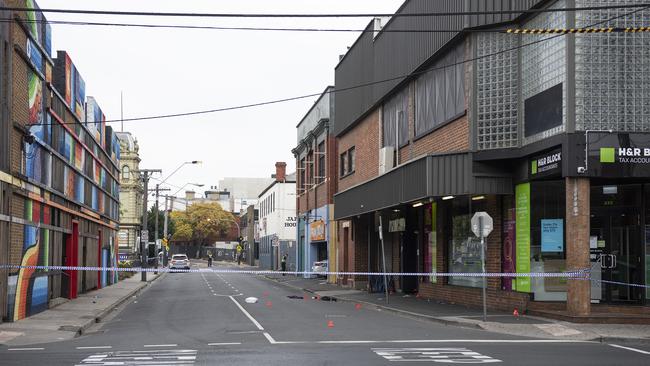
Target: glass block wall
612	70
496	93
544	64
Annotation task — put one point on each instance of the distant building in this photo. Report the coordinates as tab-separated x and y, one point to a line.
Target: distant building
316	184
130	194
234	194
277	222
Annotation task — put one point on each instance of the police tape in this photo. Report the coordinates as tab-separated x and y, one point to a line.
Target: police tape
577	274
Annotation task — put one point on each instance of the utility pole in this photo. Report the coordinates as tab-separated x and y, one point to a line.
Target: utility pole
145	174
155	238
165	234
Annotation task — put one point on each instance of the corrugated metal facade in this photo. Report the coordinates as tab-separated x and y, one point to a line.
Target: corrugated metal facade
393	54
430	176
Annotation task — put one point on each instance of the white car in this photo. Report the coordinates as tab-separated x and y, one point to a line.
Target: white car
179	261
320	267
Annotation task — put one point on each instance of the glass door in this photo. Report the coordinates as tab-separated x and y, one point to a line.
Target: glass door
616	241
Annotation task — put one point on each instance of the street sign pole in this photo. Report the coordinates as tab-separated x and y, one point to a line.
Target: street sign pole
383	256
482	226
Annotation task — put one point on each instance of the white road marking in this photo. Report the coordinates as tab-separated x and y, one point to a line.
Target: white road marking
26	349
95	347
224	344
269	338
148	357
441	355
257	324
631	349
160	345
455	341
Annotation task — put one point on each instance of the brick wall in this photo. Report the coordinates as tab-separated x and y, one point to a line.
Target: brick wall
449	138
365	139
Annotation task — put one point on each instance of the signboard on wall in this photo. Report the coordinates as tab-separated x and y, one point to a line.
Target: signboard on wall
522	236
619	155
545	165
552	235
317	230
396	225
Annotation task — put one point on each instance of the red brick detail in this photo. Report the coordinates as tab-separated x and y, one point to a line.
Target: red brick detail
364	137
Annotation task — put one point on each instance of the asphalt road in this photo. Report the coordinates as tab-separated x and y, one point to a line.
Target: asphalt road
203	319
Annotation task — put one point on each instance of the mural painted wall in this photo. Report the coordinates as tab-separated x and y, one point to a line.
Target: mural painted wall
28	288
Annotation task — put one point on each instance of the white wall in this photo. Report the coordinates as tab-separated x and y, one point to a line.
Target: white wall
281	219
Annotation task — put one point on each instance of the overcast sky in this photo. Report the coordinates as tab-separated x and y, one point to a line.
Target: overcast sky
162	71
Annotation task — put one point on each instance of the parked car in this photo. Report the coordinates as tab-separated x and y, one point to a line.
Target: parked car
179	261
320	267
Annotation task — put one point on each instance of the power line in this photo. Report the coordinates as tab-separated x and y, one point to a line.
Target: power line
354	15
371	83
179	26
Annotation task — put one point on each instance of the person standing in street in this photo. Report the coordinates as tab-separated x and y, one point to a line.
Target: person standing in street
209	259
283	264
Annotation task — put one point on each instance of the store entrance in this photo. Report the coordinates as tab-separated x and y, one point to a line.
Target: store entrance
616	241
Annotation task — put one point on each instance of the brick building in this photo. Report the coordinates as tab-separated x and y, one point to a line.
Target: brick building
315	184
483	121
59	173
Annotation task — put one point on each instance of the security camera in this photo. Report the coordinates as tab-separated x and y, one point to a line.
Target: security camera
582	170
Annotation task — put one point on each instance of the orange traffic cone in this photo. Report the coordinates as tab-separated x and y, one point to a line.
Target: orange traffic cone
330	324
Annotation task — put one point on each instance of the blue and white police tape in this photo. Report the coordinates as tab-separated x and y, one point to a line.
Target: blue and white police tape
578	274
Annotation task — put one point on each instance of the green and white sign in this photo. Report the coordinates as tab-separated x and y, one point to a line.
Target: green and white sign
522	235
546	165
625	155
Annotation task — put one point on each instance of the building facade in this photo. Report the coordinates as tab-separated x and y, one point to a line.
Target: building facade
131	191
59	174
316	181
277	221
548	135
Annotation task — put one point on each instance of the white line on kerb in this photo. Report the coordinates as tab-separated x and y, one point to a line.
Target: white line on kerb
631	349
224	344
160	345
26	349
94	347
257	324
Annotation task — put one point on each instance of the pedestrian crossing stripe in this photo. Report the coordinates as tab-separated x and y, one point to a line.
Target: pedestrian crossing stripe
148	357
439	355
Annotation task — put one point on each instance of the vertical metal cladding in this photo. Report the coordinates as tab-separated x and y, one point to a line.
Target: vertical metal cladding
393	54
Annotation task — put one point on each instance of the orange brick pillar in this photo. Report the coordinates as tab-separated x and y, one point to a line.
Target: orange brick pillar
577	244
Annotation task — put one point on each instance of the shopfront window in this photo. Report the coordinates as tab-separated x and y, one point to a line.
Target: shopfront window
464	246
547	239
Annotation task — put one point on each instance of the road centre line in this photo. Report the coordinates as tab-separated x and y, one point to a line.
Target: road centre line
630	349
94	347
257	324
26	349
224	344
160	345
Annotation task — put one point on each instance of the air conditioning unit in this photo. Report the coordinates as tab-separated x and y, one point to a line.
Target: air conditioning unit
386	159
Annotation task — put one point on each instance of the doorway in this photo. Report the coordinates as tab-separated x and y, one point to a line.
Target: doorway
616	241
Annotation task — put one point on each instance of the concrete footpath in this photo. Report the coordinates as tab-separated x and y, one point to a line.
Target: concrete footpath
72	318
458	315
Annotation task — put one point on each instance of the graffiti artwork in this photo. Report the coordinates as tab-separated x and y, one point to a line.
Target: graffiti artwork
27	292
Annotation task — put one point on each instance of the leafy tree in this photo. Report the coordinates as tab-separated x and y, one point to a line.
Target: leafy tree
151	223
202	223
